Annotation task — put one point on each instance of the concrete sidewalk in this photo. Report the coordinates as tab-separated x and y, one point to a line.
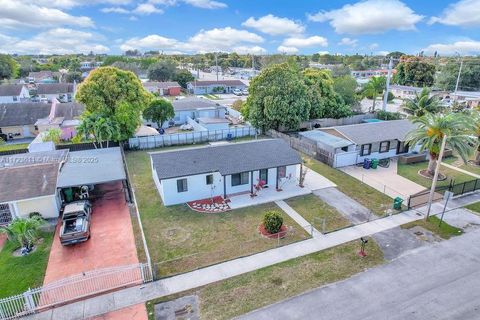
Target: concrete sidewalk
298	218
120	299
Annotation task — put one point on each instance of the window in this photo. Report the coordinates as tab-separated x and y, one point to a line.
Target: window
345	148
182	185
282	172
15	98
264	175
366	149
209	179
5	214
384	146
239	179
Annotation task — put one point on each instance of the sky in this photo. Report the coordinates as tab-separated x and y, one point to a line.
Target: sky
243	26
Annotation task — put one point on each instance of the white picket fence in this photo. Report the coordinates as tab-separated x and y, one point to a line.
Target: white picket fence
73	288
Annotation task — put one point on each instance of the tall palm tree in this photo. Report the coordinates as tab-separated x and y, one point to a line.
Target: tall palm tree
102	129
373	88
24	231
422	104
475	116
431	128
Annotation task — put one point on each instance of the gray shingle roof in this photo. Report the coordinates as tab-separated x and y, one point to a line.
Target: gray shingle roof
376	131
28	159
219	82
28	182
19	114
7	90
194	103
160	84
226	159
69	110
54	88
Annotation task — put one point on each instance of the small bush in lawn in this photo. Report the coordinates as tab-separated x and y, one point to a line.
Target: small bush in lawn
272	221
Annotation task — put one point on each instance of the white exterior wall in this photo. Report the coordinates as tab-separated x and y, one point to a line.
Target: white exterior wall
9	99
47	206
344	159
377	155
214	126
198	189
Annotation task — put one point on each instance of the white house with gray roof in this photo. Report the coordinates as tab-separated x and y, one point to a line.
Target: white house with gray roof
351	144
13	93
223	170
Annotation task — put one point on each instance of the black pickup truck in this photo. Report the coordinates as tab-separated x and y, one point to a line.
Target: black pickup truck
76	222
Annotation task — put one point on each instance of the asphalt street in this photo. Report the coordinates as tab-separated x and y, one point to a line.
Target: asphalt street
439	281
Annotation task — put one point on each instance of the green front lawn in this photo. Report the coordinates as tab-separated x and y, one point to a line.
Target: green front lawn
244	293
475	207
20	273
180	239
445	231
369	197
314	210
410	171
9	147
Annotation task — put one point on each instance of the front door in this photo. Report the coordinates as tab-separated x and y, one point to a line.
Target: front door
402	147
264	175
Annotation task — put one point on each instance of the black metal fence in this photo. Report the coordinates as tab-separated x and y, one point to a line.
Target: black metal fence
421	198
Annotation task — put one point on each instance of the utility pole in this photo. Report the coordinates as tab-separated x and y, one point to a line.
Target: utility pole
216	64
458	77
253	63
435	176
387	88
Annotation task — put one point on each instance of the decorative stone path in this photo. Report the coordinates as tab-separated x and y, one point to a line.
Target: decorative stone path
215	205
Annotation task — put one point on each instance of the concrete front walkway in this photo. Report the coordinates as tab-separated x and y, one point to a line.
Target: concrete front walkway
298	218
131	296
385	180
476	176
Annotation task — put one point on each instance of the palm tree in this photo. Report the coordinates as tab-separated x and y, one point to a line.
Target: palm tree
422	103
373	88
24	231
475	116
100	128
459	129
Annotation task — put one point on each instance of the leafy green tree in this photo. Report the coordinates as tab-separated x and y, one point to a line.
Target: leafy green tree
446	79
341	70
100	128
159	111
163	70
272	221
346	87
374	88
422	104
183	76
8	67
24	231
415	71
277	98
431	128
74	76
53	134
325	103
128	66
117	95
237	105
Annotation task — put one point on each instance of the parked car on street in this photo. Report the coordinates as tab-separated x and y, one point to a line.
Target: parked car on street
76	222
245	92
237	92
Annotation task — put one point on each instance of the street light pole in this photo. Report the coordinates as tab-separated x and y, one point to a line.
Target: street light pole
435	176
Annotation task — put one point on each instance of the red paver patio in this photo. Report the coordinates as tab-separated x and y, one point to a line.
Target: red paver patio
111	244
135	312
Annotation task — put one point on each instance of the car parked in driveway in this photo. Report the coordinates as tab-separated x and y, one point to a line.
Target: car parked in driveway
237	92
76	222
245	92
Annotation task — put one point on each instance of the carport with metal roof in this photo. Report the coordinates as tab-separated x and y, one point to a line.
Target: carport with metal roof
93	167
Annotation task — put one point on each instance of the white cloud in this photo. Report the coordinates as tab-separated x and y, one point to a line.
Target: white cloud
348	42
322	53
256	50
54	41
133	18
462	13
466	47
217	39
146	9
273	25
154	42
305	42
67	4
206	4
369	17
382	53
287	50
373	46
18	14
115	10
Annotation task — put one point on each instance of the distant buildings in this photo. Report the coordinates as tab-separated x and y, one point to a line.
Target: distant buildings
13	93
212	87
367	74
163	88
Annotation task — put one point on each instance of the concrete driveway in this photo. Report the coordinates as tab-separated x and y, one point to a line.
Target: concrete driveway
111	244
439	281
385	180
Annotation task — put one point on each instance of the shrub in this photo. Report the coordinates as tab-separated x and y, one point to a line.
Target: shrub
272	221
386	115
35	214
24	231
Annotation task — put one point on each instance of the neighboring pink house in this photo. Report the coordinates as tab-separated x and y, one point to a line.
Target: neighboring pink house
64	116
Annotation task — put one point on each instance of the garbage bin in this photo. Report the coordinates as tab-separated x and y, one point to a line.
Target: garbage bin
374	164
229	136
366	163
397	203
